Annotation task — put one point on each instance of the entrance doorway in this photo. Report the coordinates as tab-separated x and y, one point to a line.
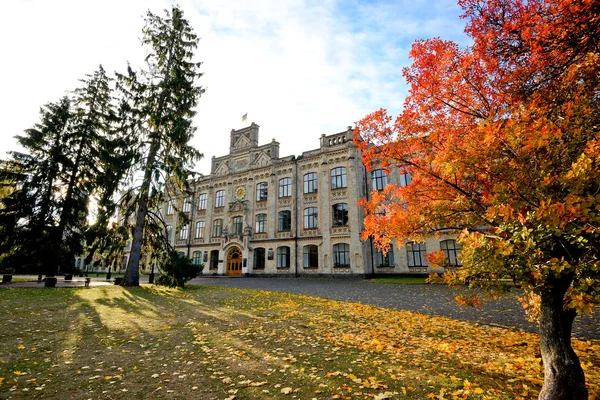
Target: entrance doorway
234	262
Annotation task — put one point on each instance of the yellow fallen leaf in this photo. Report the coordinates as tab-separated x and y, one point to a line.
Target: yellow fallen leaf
21	347
17	373
286	390
478	390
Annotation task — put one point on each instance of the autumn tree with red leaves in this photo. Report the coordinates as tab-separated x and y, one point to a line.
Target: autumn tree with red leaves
502	142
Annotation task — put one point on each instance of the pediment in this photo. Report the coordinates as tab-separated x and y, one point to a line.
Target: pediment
261	160
222	169
242	143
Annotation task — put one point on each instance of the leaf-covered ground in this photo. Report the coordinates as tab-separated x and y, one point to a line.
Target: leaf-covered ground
214	343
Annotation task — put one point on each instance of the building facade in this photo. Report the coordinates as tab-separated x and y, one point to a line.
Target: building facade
261	214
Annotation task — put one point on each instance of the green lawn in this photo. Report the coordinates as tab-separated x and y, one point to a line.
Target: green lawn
213	343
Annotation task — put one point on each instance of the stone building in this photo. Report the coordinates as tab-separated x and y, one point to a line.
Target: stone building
261	214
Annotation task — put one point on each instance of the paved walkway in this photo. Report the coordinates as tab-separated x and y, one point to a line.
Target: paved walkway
425	299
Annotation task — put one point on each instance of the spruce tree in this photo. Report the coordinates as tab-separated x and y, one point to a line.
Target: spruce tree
162	97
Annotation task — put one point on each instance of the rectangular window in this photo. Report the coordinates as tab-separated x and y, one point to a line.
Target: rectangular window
220	198
338	178
169	232
199	229
311	256
283	257
285	221
261	223
310	182
217	227
340	214
202	201
170	208
416	254
378	179
238	225
311	217
285	187
405	179
384	261
451	250
259	258
262	191
197	257
214	259
341	255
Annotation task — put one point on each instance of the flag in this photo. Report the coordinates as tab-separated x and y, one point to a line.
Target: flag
244	117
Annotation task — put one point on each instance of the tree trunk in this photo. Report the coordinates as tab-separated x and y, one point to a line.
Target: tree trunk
132	273
563	375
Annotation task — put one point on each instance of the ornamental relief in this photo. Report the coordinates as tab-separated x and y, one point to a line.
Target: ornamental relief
340	229
310	232
258	236
339	194
283	235
200	213
310	199
284	171
260	205
284	202
218	211
309	166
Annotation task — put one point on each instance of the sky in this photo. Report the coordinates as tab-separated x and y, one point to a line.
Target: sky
298	68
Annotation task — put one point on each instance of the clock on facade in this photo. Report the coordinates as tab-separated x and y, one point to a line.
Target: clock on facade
240	193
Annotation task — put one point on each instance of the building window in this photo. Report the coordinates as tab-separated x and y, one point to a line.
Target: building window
311	256
311	218
405	179
283	257
183	233
416	254
310	183
285	221
262	190
378	179
217	227
199	229
340	214
187	204
238	225
169	232
170	208
261	223
341	255
259	258
197	257
451	250
220	199
214	258
338	178
285	187
202	200
384	261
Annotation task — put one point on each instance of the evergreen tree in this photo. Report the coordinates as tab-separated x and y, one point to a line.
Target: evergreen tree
162	98
30	209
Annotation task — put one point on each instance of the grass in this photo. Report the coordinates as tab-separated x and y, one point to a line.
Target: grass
403	280
112	342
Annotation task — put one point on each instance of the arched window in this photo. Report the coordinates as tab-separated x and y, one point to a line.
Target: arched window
262	190
187	204
214	259
285	187
311	256
259	258
340	214
341	255
416	254
238	225
283	257
451	250
261	223
199	229
310	182
311	218
338	178
170	208
202	200
378	179
183	233
285	221
169	232
217	227
384	260
220	199
197	257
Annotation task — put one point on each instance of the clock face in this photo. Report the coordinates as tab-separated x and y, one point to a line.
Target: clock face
240	193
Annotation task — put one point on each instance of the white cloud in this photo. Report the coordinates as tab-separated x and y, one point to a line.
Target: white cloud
299	67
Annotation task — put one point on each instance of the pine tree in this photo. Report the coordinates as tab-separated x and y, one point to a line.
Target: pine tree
162	98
